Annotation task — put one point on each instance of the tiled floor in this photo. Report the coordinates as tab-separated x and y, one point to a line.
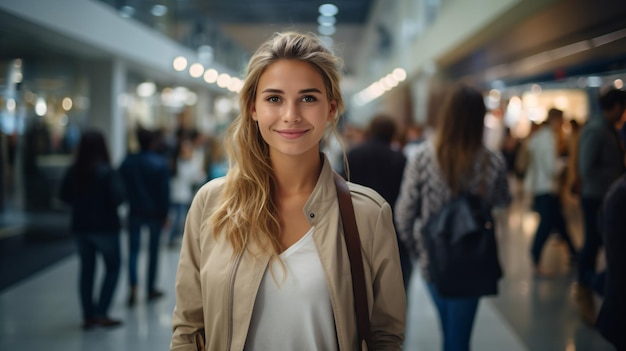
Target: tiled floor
42	312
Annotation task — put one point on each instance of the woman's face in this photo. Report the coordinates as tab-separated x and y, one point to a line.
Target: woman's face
291	108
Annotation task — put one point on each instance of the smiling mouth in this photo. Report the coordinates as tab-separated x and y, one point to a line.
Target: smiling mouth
291	134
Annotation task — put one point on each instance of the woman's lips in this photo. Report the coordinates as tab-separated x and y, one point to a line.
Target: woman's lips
291	133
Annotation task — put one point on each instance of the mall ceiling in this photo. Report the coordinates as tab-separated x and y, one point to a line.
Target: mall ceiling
250	22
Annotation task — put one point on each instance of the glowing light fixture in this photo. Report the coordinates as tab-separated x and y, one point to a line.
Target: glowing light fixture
67	103
210	76
328	9
180	63
41	108
223	80
127	11
158	10
196	70
399	74
326	20
618	83
326	30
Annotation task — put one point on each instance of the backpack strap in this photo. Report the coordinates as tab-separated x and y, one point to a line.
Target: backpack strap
353	244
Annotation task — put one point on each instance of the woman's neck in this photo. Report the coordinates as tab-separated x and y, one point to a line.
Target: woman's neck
296	175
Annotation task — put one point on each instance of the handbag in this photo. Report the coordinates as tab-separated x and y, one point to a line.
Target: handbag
461	244
353	244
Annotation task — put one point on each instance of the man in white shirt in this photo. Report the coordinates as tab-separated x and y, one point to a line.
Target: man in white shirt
544	170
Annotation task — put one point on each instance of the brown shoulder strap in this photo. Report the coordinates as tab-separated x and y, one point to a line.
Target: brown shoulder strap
353	243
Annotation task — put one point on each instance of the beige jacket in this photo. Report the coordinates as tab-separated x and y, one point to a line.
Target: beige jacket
215	292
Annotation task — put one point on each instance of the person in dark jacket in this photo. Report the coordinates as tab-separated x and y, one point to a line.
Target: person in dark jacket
612	317
147	180
600	163
375	164
94	191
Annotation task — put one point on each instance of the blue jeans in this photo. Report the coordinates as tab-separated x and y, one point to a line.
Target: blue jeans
180	213
89	245
134	235
551	217
456	318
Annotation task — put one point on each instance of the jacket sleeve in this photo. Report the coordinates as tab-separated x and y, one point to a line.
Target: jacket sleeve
188	318
388	315
590	154
407	208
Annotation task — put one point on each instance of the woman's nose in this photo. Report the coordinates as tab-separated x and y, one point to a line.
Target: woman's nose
291	112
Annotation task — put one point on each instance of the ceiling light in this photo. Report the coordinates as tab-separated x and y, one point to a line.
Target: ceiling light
326	20
159	10
196	70
328	9
618	83
399	74
67	103
326	30
127	11
210	76
223	80
180	63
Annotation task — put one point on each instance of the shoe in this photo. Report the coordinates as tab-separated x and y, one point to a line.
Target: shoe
90	323
583	297
132	297
108	322
155	294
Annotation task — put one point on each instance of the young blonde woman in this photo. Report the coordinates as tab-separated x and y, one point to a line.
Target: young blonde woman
263	263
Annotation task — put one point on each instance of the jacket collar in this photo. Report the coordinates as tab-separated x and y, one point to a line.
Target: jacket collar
322	196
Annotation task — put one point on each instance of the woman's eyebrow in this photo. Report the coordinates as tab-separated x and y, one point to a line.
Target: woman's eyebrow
303	91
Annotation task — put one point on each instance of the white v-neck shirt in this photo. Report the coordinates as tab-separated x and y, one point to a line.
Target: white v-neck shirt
293	312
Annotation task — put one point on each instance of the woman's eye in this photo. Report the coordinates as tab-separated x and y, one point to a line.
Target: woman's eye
309	98
273	99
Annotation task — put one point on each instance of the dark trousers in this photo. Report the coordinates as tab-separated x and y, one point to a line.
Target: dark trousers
108	246
591	207
456	317
551	217
134	234
180	212
406	264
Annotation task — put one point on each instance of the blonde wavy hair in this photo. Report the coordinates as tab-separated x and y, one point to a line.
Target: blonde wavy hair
248	212
459	133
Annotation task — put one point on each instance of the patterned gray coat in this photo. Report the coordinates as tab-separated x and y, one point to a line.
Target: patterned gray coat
424	191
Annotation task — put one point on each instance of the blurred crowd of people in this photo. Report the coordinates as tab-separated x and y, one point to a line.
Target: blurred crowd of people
417	177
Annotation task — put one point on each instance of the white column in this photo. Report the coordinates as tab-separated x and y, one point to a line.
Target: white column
108	88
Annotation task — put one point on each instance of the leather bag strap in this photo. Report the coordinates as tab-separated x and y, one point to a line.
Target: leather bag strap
353	243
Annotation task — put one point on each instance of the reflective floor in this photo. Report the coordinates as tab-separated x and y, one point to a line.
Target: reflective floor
42	312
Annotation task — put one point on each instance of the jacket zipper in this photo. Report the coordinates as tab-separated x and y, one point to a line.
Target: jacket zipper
231	293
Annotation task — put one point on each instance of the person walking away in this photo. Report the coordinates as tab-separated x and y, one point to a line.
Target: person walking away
147	180
376	165
263	263
94	191
545	170
455	161
612	316
186	173
600	162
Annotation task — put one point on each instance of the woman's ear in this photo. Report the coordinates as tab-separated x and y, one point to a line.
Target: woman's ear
332	113
253	112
